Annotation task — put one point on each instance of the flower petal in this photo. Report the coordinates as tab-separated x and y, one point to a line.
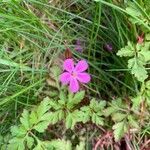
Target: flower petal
74	85
83	77
81	66
68	65
65	77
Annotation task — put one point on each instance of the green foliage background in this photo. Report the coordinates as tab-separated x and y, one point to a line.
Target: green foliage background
37	112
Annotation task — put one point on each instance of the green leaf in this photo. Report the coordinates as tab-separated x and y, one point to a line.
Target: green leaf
117	117
60	114
53	93
44	145
83	116
102	104
72	119
70	96
147	85
127	51
109	110
85	109
56	116
43	107
38	119
145	51
78	96
7	137
92	112
132	122
1	139
41	126
119	130
147	36
25	119
76	99
55	105
46	117
62	102
40	116
141	55
16	144
69	121
62	96
146	55
40	146
137	68
61	145
93	103
38	113
55	72
117	103
136	102
33	118
30	141
99	106
97	119
18	131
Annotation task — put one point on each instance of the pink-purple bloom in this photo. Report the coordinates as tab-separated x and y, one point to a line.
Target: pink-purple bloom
78	46
74	74
108	47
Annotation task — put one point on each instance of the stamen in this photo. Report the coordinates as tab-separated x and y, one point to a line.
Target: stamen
74	74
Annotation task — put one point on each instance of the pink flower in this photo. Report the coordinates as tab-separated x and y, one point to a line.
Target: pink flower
78	46
108	47
74	74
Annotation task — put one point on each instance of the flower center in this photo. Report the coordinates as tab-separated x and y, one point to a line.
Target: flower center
74	74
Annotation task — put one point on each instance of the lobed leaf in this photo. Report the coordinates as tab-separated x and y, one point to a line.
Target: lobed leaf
76	99
30	142
41	126
117	117
126	51
109	110
25	119
16	144
119	130
137	68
